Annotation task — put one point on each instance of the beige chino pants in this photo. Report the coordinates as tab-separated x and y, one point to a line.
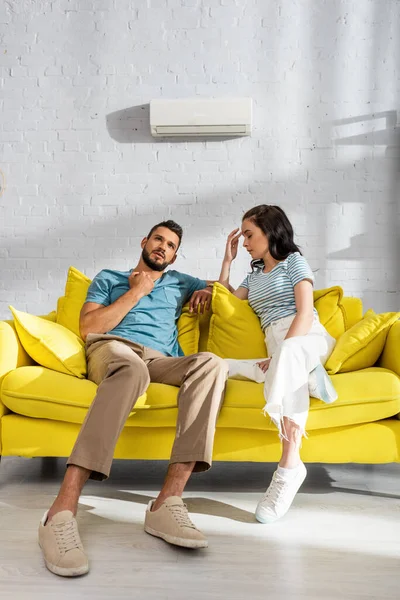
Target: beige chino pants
123	370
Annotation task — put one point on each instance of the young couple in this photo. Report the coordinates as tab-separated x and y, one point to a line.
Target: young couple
129	324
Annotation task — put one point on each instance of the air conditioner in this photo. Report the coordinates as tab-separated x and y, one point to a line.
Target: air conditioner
200	117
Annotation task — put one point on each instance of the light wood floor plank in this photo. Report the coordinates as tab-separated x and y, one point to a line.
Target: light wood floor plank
341	539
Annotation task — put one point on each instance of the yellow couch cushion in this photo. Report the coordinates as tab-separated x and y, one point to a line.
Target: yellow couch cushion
188	331
235	330
352	309
332	315
45	394
50	344
362	344
364	396
70	305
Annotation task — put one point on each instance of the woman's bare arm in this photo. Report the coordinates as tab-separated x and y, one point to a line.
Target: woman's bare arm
301	324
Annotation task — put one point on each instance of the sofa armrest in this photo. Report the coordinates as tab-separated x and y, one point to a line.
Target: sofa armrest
390	357
12	353
3	411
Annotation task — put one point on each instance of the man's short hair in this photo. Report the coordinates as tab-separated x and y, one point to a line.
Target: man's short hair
169	225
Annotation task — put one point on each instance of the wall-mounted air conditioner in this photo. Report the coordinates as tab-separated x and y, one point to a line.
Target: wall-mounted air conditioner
201	117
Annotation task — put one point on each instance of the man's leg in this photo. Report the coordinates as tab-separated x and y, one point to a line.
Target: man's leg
122	377
201	378
175	482
70	490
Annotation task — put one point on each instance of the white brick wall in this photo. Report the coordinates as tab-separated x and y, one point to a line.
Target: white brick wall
85	180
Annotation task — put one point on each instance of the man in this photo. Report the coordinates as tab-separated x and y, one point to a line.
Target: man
129	324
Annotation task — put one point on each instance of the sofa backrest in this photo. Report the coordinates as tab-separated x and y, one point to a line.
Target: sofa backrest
353	308
353	312
18	357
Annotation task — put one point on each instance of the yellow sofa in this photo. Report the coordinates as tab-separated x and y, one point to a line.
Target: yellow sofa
41	410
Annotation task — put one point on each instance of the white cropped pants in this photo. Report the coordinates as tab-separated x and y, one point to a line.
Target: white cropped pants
286	380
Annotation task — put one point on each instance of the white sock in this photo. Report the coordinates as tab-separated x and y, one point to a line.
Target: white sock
288	473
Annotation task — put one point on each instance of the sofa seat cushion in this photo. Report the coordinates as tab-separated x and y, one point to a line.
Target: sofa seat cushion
364	396
44	394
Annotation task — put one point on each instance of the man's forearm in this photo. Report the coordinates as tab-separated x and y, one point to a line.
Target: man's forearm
106	318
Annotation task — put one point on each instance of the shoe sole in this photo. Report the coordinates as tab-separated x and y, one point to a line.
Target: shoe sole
268	520
176	541
265	521
65	571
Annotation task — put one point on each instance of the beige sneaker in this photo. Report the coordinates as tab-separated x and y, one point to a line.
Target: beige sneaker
171	522
61	545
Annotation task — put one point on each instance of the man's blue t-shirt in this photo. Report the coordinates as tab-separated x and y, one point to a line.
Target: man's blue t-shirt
152	322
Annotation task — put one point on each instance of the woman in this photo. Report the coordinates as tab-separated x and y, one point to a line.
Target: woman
280	291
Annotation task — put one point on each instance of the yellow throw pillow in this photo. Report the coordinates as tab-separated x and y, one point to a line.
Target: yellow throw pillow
50	344
70	305
331	312
188	331
235	330
361	346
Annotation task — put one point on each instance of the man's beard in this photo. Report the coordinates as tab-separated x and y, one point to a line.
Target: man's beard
155	266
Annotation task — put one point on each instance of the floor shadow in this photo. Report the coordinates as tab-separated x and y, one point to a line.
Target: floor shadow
223	477
347	490
200	505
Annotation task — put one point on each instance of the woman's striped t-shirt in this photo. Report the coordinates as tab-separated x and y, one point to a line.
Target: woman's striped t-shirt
271	295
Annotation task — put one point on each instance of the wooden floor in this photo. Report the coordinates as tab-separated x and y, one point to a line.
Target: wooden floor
341	539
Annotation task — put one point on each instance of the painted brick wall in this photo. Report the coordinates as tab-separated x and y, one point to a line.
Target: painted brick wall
83	180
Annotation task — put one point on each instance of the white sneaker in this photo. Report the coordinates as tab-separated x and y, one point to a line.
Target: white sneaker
320	385
279	496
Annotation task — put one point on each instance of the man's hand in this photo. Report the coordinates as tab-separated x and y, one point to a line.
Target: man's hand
202	299
264	364
141	283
